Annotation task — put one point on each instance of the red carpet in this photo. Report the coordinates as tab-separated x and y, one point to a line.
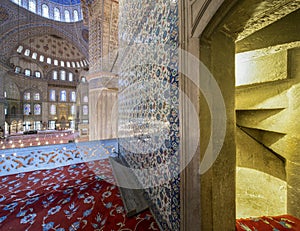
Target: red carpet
69	198
275	223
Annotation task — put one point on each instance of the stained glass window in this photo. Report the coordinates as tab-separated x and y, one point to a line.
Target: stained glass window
67	16
85	99
38	74
27	109
45	10
36	96
20	48
32	5
70	77
54	75
37	109
56	14
85	110
73	110
27	96
52	95
63	96
53	109
73	96
27	72
75	13
62	75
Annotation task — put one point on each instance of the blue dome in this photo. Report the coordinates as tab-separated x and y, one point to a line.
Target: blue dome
66	2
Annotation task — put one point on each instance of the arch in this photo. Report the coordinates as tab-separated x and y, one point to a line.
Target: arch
45	10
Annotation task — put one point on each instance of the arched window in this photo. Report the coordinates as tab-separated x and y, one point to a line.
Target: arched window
62	63
52	95
34	55
53	109
67	16
37	109
63	96
85	99
55	62
42	58
73	96
85	110
32	5
20	48
68	64
83	79
62	75
37	74
56	14
75	15
54	75
27	96
45	11
17	69
49	60
27	72
27	109
73	110
73	64
27	52
70	77
36	96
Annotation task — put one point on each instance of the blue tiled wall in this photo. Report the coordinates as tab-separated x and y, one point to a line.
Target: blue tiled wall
148	102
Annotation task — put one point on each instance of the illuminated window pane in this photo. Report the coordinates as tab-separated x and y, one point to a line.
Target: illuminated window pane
56	14
68	64
55	62
27	109
36	96
70	77
27	96
17	69
27	52
54	75
38	74
63	96
52	95
85	110
27	72
37	109
53	109
73	64
20	48
75	15
62	75
45	11
32	6
5	94
62	63
67	16
34	55
73	96
73	110
42	58
83	79
49	60
85	99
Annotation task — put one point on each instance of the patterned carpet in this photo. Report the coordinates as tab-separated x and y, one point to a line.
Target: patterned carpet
75	197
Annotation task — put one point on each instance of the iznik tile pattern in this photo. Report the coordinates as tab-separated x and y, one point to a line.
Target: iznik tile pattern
148	102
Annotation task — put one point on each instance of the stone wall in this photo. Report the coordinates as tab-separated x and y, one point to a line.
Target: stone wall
148	102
